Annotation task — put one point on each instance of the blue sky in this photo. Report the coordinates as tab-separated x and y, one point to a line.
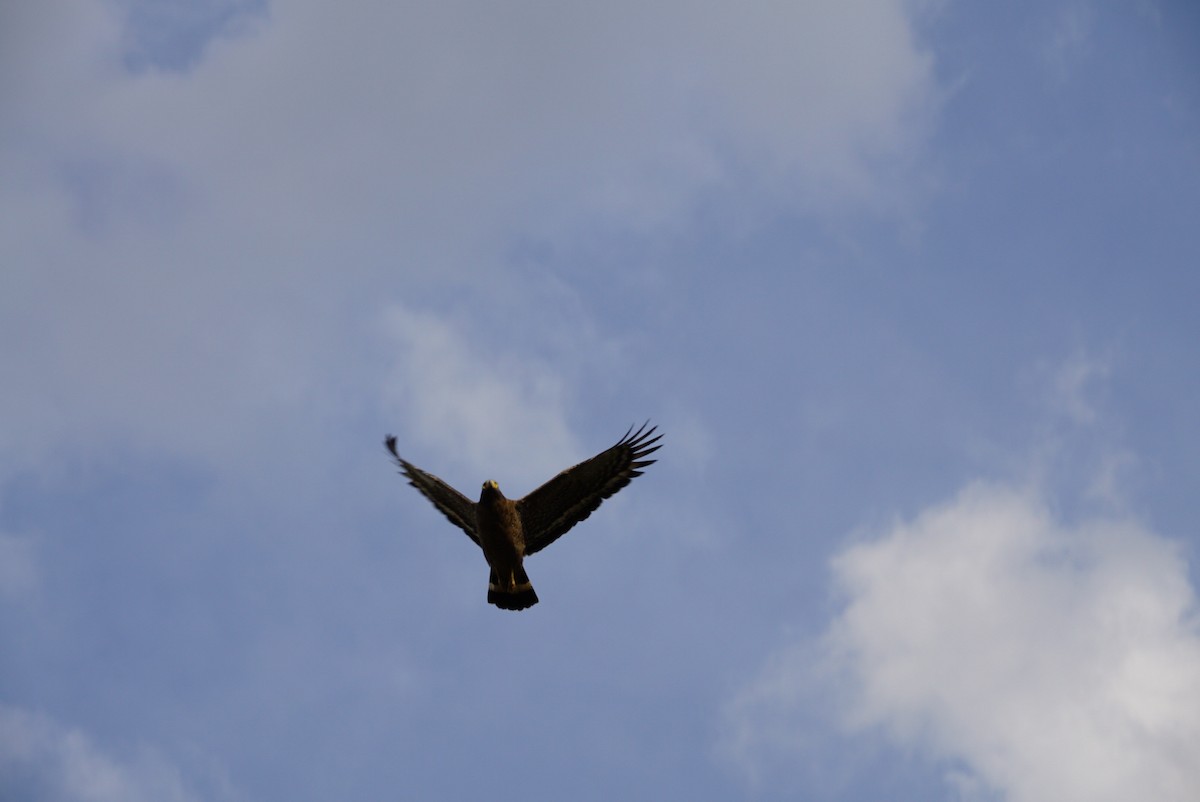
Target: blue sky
910	287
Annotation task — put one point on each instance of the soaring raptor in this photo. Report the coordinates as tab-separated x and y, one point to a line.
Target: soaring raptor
508	530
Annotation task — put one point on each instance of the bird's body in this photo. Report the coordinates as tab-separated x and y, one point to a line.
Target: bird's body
503	540
507	531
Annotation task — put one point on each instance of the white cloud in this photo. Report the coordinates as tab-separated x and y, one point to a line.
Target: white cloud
428	116
42	761
188	254
1047	660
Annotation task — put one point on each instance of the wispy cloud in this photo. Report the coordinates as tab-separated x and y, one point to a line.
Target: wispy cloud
484	407
41	759
18	566
1078	448
173	36
1074	384
1069	39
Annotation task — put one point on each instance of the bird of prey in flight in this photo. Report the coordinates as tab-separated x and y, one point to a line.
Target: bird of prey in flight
508	530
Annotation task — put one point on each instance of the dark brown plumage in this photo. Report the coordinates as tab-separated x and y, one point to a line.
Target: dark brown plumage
508	531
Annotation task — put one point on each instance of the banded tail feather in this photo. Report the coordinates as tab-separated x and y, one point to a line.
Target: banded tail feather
518	595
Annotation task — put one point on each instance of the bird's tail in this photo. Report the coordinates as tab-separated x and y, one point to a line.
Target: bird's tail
516	596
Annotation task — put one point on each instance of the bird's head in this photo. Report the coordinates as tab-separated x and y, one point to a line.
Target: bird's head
490	488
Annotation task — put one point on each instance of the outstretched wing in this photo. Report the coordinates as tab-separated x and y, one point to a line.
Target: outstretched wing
548	512
454	505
